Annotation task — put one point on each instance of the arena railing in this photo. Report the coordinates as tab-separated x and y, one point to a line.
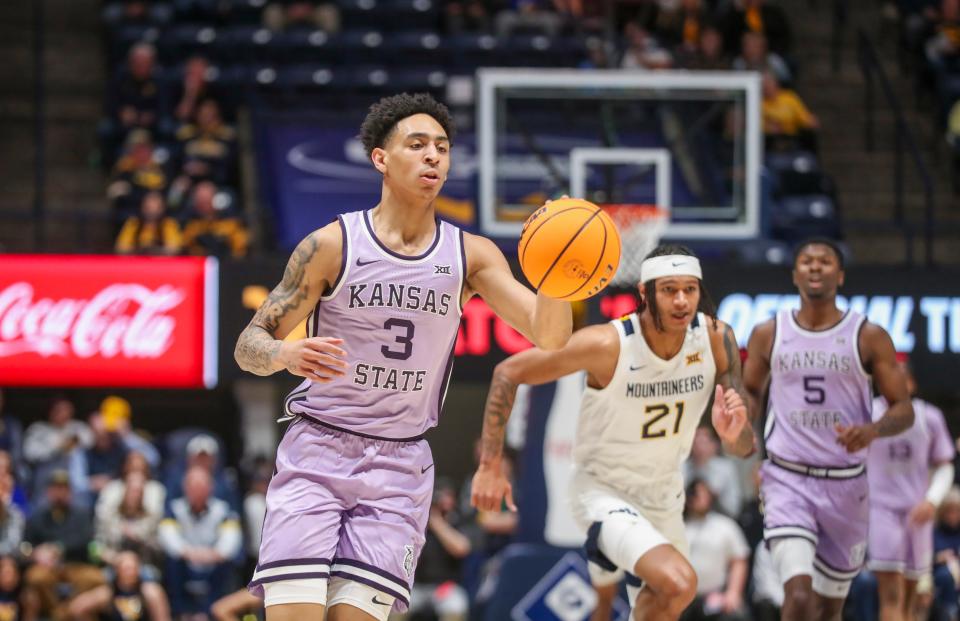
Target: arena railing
903	141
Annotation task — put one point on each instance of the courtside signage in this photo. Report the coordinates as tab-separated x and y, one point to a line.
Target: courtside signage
108	321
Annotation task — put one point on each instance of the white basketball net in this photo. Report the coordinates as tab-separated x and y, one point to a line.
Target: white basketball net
640	229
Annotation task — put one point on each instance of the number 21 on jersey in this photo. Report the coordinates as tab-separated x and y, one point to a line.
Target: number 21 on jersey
656	413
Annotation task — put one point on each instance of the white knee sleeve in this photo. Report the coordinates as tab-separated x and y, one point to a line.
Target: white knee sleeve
624	538
368	599
792	556
302	591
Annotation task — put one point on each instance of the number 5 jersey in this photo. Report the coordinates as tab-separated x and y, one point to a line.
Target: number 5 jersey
817	381
635	433
398	317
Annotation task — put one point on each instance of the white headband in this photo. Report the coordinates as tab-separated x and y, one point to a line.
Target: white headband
670	265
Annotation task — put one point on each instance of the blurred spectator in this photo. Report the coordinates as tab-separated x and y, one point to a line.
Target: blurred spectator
281	15
56	443
750	518
597	56
767	587
526	16
680	25
718	553
643	51
709	54
133	100
207	148
201	537
154	494
113	439
211	229
255	508
944	45
60	522
757	16
125	597
787	123
11	440
60	533
194	89
135	175
131	525
946	555
953	139
435	589
468	15
717	470
12	520
11	491
754	56
203	451
11	592
152	231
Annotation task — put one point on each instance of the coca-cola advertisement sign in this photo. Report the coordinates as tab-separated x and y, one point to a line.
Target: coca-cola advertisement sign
108	321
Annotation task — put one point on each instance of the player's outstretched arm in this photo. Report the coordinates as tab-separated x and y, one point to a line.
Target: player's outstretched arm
594	349
880	357
729	413
546	322
261	349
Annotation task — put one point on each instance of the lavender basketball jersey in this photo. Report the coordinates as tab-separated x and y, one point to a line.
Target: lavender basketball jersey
398	316
898	467
816	382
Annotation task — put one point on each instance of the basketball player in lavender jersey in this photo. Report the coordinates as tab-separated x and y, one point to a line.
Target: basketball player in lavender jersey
909	476
382	291
820	363
650	377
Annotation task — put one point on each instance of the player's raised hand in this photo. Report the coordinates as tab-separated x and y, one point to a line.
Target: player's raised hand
319	358
857	437
729	414
490	488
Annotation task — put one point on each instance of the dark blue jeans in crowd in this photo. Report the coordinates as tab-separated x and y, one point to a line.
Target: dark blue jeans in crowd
863	602
945	598
193	590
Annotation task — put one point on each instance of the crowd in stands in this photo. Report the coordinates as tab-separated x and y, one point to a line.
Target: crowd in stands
98	520
183	68
172	157
929	38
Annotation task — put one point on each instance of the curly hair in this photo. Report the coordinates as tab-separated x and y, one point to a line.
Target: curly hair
384	115
649	301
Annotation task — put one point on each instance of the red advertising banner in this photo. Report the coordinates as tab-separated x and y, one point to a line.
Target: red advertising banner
108	321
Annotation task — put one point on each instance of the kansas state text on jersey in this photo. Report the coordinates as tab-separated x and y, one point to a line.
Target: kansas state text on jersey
817	381
398	317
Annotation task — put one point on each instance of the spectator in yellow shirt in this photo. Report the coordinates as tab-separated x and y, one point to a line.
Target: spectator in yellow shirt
212	229
785	117
150	232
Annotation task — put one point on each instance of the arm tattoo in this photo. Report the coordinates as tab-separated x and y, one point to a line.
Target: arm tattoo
733	376
495	416
257	346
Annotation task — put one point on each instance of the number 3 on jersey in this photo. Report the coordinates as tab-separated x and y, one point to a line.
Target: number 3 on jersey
660	411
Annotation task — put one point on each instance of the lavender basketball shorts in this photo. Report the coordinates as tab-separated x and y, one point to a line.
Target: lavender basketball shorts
897	546
348	506
831	513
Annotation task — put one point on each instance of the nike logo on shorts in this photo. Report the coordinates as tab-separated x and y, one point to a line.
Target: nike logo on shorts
379	603
425	468
361	262
636	367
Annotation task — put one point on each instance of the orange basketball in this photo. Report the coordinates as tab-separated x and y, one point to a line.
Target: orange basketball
569	249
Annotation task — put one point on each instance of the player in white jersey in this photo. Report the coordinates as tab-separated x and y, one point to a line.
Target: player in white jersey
650	376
